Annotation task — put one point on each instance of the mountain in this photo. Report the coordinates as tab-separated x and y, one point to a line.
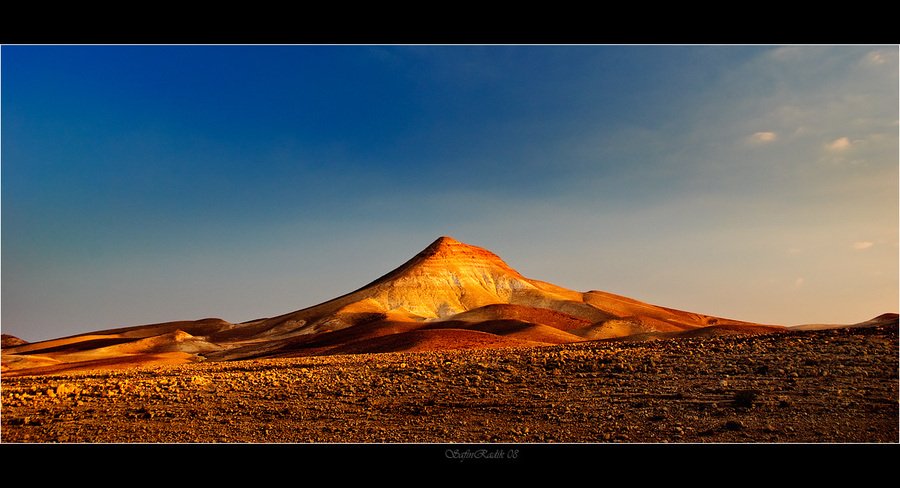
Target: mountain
449	296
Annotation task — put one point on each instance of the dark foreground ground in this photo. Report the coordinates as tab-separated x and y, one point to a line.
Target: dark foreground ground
831	386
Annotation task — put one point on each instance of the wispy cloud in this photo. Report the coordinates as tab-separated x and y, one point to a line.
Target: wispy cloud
763	137
838	144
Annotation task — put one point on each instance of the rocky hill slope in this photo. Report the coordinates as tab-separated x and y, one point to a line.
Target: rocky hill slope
449	296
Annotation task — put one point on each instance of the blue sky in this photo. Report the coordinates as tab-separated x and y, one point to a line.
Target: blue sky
142	184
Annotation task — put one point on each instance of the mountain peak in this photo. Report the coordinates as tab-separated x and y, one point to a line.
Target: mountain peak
448	250
447	255
445	245
443	242
446	278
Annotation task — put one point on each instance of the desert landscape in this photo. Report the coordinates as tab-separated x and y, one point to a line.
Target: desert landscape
454	346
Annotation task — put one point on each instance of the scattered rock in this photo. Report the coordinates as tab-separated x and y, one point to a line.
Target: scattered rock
745	398
599	392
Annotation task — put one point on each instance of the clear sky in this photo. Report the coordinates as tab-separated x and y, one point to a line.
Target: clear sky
143	184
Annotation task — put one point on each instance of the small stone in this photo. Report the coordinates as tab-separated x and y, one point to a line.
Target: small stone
65	389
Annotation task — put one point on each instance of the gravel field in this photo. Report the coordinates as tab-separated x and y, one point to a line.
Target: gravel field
828	386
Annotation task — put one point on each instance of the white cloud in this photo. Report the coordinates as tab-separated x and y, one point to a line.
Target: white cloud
838	144
863	245
876	57
763	137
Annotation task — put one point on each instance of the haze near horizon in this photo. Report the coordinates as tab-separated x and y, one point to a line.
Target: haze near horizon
143	184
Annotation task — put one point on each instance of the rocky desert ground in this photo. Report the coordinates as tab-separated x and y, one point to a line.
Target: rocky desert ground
813	386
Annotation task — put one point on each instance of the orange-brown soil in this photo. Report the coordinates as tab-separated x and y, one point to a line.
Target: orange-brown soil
837	385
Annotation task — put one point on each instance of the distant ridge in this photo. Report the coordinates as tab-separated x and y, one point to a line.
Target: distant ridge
450	295
7	340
